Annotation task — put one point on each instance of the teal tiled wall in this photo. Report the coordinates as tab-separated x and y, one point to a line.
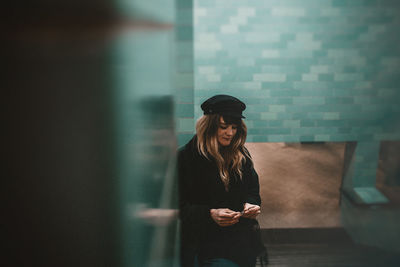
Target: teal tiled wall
184	72
307	70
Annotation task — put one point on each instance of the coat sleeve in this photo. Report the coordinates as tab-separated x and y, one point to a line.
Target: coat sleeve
194	214
253	185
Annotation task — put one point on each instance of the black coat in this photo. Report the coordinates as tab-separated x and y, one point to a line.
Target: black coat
201	189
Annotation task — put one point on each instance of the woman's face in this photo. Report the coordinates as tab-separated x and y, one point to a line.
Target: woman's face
226	132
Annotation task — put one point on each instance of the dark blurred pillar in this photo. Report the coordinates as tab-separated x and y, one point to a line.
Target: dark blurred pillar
58	151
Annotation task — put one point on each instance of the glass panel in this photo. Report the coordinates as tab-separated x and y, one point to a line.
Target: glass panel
388	173
146	146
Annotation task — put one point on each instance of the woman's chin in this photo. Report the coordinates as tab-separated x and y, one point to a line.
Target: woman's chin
224	143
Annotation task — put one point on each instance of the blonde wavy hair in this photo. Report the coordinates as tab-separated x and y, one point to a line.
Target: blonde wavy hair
228	159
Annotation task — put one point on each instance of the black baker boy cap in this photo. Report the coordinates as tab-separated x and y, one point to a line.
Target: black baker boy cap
224	105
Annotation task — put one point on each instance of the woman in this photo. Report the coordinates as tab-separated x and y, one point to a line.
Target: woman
219	190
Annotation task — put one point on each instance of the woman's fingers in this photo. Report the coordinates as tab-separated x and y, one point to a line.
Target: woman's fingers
237	216
227	213
252	208
228	217
251	211
225	217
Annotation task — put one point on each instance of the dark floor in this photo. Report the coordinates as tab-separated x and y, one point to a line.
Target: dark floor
329	255
325	247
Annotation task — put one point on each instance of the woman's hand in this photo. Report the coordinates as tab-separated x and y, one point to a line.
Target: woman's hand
225	217
251	211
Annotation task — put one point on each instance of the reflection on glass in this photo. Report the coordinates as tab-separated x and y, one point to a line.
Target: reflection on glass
146	148
388	173
148	188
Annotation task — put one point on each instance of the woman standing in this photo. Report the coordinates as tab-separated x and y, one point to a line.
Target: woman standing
219	190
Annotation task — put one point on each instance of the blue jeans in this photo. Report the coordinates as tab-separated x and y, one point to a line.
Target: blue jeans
219	262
